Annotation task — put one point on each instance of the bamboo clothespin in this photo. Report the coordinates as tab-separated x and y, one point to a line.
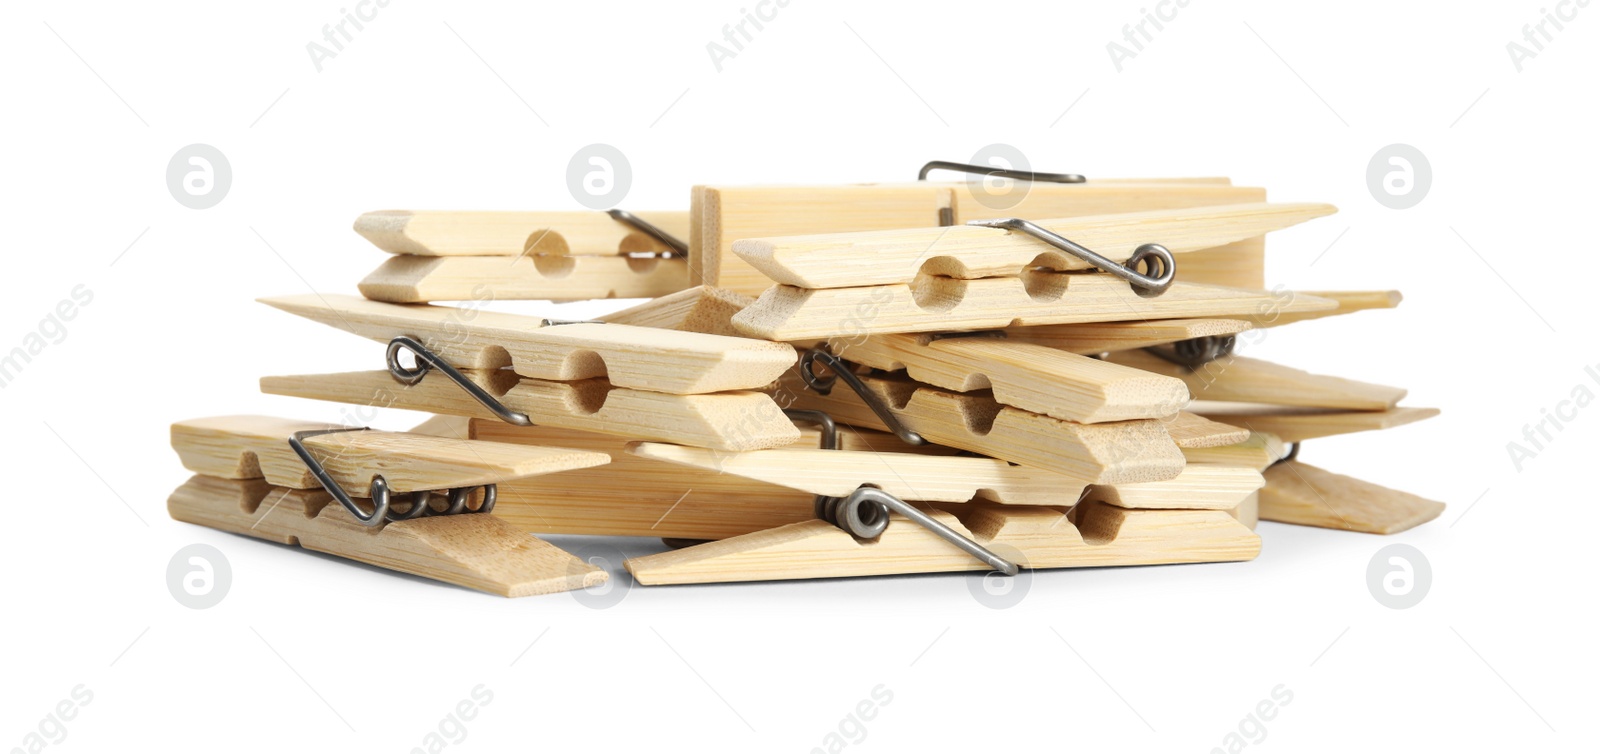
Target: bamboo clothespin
739	420
250	447
1113	452
513	234
886	257
643	497
1092	534
1044	298
1294	424
721	215
1299	493
419	279
476	551
635	357
1030	377
1246	380
924	478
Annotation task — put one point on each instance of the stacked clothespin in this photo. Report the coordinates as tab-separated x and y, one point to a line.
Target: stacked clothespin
826	381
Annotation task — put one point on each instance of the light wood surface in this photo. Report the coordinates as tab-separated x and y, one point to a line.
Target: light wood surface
475	550
700	309
721	215
923	478
741	420
442	233
1104	337
938	304
908	476
1092	535
1348	302
1258	451
1249	511
251	447
637	357
883	257
1292	424
1299	493
1113	452
413	279
1200	486
642	497
1030	377
1239	378
1195	431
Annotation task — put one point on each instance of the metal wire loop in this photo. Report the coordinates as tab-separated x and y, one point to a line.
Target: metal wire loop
865	514
1016	175
428	360
1155	257
383	501
679	248
842	370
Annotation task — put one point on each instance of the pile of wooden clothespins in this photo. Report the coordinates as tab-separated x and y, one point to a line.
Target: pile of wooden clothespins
826	381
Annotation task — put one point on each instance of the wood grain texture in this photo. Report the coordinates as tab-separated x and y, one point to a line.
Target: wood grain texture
1108	453
1291	424
701	309
641	497
414	279
1105	337
721	215
740	420
940	304
908	476
1258	452
1091	535
1030	377
252	447
1348	302
476	550
636	357
1238	378
486	233
1299	493
1200	486
925	478
1195	431
884	257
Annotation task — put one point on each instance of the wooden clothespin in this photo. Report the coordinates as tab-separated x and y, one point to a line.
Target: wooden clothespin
924	478
1031	377
1092	534
642	497
737	420
1113	452
1246	380
243	460
886	257
721	215
635	357
948	304
556	256
476	551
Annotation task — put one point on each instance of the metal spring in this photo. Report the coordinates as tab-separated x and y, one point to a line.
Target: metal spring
840	369
1197	352
378	489
865	512
427	360
1163	267
865	515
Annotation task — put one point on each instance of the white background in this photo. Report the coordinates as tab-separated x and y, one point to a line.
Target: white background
481	105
